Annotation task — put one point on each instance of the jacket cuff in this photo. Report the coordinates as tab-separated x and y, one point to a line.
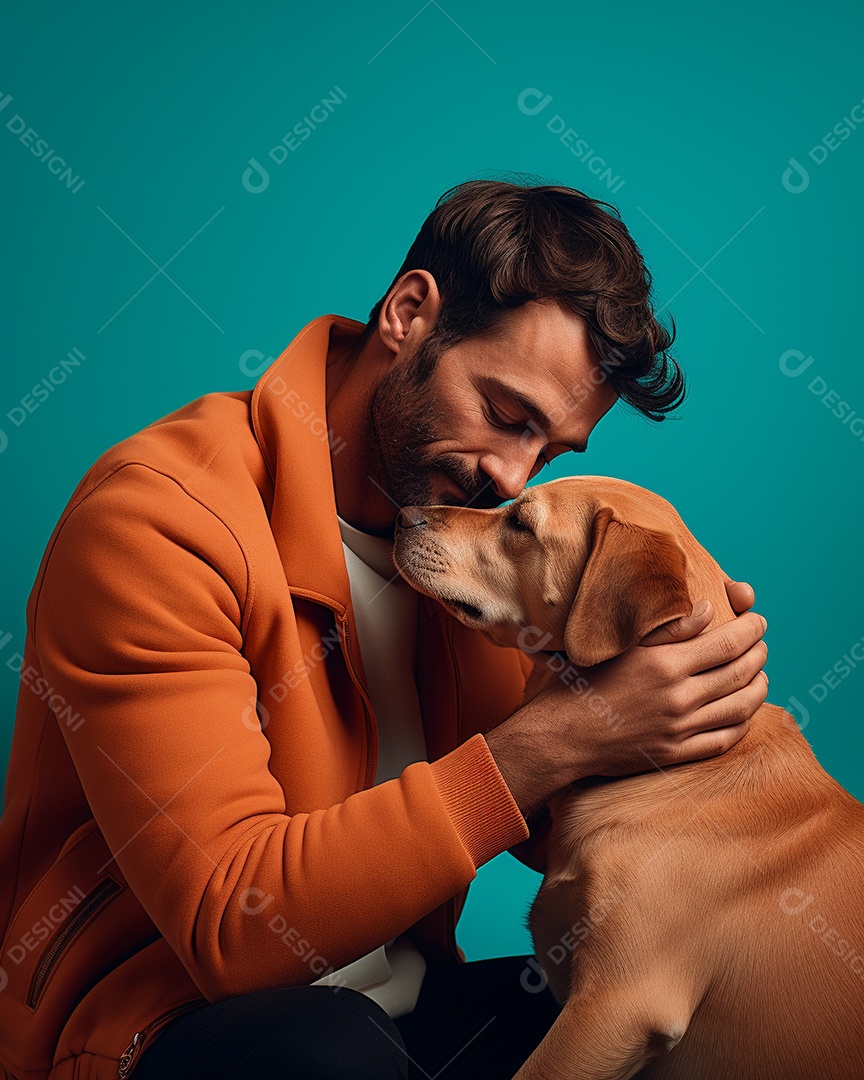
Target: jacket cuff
475	795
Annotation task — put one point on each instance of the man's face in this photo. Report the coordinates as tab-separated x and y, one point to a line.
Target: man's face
493	411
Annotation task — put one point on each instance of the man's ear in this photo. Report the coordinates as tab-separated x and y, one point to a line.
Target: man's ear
634	580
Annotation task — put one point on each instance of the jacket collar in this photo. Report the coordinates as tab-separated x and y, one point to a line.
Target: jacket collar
289	410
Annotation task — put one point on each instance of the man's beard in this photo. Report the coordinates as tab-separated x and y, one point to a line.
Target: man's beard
405	418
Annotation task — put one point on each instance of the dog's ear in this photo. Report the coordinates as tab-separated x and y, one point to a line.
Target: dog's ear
634	580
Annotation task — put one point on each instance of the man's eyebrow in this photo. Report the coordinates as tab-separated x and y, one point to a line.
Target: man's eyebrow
533	409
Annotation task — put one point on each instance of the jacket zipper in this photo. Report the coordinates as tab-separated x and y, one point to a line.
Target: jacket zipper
367	704
87	907
140	1037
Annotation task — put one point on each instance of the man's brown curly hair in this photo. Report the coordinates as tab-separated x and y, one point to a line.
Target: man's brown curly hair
493	245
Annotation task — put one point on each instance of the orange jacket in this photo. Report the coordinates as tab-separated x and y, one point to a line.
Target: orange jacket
188	812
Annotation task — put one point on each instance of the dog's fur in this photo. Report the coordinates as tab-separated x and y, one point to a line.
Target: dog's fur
700	922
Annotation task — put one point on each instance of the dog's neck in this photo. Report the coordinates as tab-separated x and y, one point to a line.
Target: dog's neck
705	580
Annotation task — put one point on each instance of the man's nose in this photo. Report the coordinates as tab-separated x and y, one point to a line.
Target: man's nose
508	477
411	516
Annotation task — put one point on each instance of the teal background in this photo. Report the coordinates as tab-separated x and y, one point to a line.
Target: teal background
159	107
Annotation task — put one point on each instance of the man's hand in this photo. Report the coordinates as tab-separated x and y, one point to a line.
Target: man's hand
741	599
682	694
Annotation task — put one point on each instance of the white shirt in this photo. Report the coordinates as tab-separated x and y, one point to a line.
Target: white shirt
385	610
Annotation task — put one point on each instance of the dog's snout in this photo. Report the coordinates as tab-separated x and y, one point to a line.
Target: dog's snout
411	516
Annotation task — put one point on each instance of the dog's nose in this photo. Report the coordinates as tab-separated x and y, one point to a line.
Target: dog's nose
410	516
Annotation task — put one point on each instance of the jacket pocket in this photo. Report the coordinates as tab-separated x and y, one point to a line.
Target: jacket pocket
132	1054
50	920
57	944
53	953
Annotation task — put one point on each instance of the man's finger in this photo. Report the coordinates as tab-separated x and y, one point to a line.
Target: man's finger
741	596
723	644
730	712
683	628
719	682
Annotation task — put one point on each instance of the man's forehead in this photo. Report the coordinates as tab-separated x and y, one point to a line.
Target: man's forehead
548	324
541	338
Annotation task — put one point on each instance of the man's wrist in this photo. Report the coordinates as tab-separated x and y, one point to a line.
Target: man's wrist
521	762
534	761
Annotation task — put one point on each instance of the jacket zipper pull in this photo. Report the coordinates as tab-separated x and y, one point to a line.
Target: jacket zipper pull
128	1054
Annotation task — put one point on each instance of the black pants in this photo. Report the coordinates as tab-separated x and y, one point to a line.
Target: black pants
480	1020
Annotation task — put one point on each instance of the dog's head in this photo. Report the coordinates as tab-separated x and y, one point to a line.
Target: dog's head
587	564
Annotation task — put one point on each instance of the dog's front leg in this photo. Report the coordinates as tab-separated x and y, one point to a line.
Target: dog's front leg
607	1035
619	1009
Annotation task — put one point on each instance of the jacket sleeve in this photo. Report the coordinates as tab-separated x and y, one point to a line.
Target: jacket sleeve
137	625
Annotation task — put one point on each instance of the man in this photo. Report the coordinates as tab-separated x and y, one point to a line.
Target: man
252	771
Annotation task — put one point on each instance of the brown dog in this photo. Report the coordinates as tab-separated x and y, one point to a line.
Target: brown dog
702	922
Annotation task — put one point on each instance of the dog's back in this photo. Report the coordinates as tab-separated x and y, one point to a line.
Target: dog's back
726	892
